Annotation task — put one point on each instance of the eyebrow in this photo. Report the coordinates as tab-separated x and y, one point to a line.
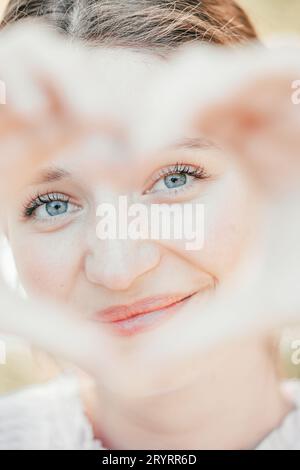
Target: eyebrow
193	143
54	174
51	174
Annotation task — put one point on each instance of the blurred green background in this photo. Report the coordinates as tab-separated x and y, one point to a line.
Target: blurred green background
273	16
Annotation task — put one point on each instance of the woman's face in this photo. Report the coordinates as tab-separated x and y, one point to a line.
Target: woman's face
130	284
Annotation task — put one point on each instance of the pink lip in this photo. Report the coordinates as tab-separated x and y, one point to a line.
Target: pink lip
139	316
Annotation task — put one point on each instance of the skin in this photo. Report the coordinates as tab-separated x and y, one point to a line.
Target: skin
63	259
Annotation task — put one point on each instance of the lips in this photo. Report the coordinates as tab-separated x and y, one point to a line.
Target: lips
139	316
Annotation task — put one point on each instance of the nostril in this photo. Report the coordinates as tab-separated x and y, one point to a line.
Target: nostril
117	269
110	278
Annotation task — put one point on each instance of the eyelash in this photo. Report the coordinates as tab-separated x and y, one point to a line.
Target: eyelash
179	168
39	200
197	172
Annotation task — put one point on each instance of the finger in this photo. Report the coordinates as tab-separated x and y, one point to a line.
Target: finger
259	127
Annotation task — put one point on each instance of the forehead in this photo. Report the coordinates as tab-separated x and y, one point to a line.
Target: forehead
118	83
106	87
127	71
109	82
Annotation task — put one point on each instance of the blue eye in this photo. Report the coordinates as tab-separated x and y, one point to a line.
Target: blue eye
179	176
48	206
175	180
55	208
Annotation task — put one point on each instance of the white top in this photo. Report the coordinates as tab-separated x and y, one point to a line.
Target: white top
46	417
51	417
287	435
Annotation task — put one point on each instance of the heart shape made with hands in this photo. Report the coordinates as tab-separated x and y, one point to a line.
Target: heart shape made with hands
57	100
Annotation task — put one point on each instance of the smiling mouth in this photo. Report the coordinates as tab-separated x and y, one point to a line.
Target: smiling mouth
127	320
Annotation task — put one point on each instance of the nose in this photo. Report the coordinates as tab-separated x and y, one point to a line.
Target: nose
117	264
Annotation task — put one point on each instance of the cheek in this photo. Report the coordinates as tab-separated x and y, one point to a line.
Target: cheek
231	215
47	264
